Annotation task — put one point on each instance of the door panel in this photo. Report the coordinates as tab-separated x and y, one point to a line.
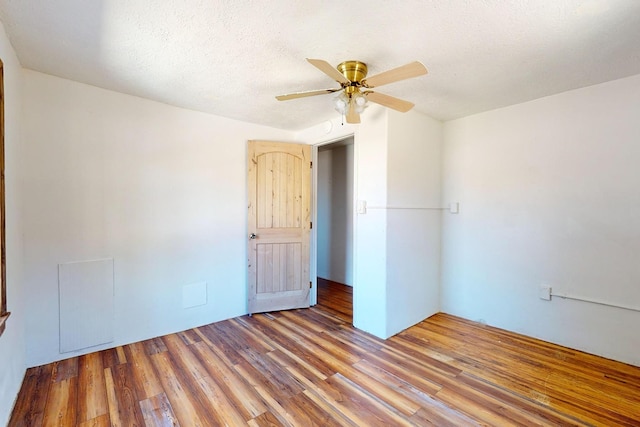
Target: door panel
279	178
279	267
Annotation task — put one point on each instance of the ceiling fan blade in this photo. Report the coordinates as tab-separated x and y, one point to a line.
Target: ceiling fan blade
329	70
352	116
389	101
295	95
413	69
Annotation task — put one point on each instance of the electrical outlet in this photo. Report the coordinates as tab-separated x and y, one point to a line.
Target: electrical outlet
545	292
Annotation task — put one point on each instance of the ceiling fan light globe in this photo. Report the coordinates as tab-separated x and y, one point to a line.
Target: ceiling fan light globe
341	103
359	102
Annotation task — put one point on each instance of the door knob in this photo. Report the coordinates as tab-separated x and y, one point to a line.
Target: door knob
252	236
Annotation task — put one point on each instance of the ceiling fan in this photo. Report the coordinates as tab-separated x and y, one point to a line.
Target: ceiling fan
354	84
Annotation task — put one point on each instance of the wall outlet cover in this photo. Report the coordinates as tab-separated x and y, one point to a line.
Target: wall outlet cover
545	292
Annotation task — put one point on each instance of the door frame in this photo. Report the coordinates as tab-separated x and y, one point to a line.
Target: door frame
313	268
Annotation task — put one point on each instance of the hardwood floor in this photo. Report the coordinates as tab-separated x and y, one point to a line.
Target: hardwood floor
311	367
336	298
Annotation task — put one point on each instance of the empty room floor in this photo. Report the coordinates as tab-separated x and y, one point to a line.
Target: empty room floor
311	367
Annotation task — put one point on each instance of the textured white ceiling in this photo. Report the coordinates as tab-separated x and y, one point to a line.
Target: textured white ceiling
231	58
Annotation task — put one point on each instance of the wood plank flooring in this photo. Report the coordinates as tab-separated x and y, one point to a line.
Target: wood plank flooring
336	298
311	367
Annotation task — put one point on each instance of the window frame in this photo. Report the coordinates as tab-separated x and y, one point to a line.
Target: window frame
4	314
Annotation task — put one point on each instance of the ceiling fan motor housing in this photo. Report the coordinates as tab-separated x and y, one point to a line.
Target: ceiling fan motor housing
354	71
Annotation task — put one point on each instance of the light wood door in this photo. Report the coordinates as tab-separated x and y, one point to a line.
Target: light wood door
279	225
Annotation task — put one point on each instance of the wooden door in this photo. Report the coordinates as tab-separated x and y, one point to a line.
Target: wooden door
279	225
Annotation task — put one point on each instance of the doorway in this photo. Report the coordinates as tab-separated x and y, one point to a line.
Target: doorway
335	204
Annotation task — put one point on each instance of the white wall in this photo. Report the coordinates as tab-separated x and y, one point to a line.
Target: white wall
413	220
323	213
12	342
370	258
160	189
369	235
335	213
549	194
397	251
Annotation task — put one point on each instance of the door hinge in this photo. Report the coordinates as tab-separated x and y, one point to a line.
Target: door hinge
311	226
310	285
311	165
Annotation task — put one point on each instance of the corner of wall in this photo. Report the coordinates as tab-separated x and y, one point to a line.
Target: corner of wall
12	342
548	196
